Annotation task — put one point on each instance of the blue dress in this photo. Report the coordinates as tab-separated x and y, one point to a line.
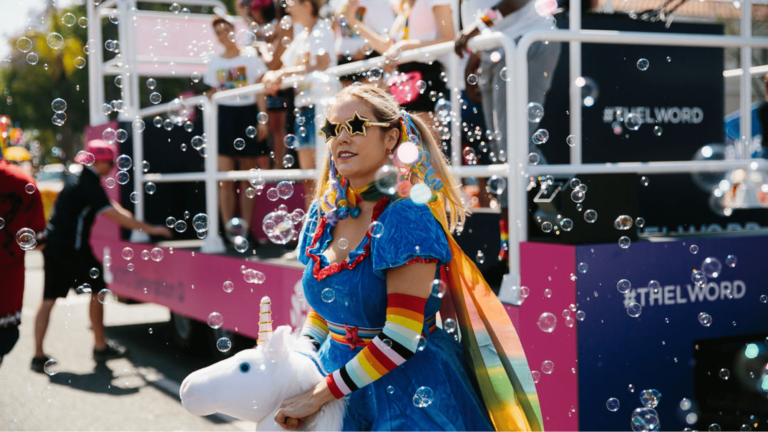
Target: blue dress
354	293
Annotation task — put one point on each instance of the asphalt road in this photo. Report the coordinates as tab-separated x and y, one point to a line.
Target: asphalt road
140	392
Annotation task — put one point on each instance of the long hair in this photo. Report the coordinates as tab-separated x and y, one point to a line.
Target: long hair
386	109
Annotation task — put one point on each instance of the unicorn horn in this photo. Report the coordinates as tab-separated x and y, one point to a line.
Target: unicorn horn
265	320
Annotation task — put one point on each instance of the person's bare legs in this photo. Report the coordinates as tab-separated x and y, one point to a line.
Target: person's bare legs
246	163
307	161
41	324
96	311
226	194
277	126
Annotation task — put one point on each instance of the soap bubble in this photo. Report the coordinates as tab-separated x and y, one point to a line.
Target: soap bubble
705	319
156	254
547	322
633	121
24	44
698	277
612	404
200	222
535	112
155	98
590	216
623	286
540	137
262	118
127	254
59	105
55	41
284	189
439	288
423	397
547	367
623	223
634	309
328	295
215	320
497	184
643	64
731	261
566	224
694	249
711	267
376	229
180	226
79	62
223	344
239	144
279	227
228	286
650	398
105	296
533	158
124	162
32	58
724	374
645	419
26	239
624	242
52	367
150	188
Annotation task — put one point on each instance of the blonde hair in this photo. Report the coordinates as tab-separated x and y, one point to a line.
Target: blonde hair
386	109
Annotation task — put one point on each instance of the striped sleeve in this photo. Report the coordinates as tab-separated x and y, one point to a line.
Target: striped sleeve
396	343
315	328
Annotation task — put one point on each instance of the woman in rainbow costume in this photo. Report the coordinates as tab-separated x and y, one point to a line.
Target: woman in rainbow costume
380	263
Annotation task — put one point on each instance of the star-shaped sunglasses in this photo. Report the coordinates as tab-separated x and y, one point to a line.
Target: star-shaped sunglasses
355	126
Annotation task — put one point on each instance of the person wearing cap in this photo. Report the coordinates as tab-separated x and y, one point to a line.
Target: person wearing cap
19	209
69	260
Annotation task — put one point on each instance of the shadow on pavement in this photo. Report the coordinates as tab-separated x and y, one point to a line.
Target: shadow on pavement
99	381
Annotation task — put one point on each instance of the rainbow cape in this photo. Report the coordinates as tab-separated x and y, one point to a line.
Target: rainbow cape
491	344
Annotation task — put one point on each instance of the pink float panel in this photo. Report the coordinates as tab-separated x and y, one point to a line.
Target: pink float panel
263	206
550	266
190	283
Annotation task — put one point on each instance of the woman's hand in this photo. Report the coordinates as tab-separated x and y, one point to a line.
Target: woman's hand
350	11
460	45
293	411
272	80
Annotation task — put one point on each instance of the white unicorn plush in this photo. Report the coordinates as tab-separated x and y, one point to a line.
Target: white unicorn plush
253	383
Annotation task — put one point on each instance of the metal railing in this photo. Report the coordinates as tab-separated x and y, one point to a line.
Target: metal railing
213	242
516	140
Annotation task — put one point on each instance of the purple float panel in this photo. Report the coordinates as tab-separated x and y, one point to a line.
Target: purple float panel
549	266
666	347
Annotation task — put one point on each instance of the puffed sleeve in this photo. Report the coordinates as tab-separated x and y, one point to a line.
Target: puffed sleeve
307	232
409	232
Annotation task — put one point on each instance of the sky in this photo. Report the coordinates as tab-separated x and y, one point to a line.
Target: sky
17	17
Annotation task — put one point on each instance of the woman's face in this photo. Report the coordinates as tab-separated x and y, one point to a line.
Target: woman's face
358	157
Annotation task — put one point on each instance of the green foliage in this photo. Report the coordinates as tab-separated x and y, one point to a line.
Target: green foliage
28	90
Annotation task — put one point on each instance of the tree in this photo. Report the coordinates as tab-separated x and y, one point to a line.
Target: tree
29	88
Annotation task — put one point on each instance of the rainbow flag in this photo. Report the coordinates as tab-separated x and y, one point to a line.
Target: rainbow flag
490	341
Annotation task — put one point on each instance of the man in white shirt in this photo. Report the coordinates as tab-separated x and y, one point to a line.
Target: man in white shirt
514	18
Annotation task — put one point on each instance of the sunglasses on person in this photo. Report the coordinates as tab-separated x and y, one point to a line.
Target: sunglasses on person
356	125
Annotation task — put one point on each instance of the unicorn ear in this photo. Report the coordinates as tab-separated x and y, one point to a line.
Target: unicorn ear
265	320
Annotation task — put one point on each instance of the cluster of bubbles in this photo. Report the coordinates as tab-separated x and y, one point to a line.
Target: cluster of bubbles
280	225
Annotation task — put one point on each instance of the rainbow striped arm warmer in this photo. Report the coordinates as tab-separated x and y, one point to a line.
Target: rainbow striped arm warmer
396	343
315	328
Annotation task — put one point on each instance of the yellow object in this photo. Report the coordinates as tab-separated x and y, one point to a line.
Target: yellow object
16	154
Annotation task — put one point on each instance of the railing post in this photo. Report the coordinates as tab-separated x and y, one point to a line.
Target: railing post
129	95
745	95
517	146
213	242
95	58
574	72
